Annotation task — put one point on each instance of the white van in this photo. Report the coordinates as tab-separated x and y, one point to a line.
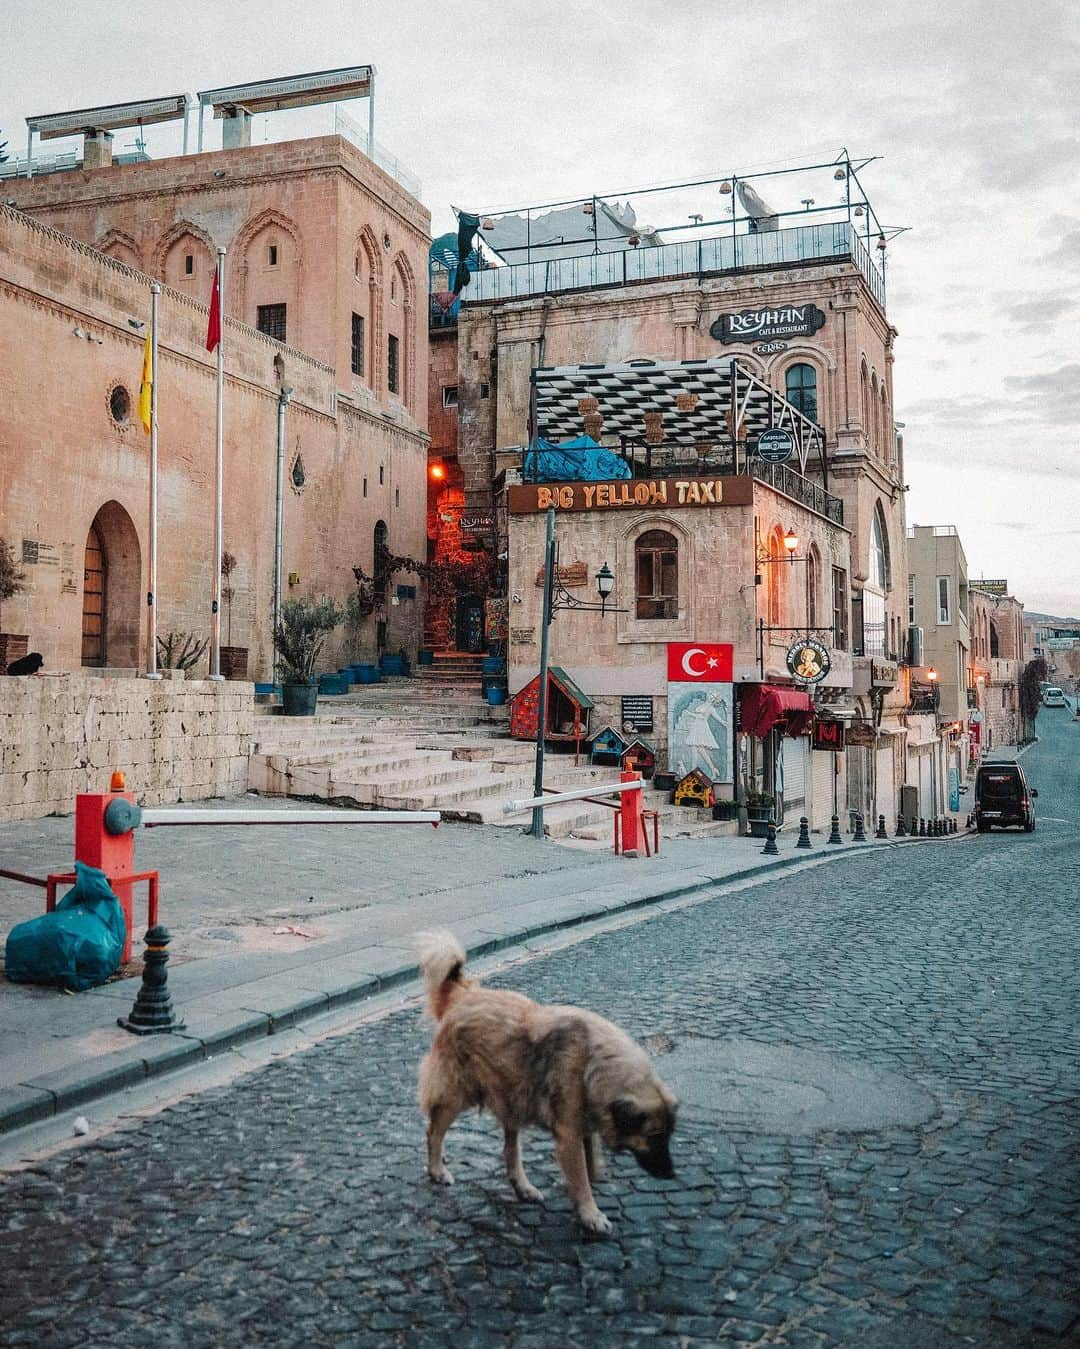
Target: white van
1053	697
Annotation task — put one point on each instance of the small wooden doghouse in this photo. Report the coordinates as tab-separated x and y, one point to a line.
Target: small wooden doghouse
607	746
639	757
568	710
695	790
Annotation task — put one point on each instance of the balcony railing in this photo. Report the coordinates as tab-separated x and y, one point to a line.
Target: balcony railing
803	490
726	253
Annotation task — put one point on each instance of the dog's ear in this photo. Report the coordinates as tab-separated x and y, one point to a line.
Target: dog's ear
627	1118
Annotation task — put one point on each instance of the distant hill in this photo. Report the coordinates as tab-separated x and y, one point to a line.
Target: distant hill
1049	620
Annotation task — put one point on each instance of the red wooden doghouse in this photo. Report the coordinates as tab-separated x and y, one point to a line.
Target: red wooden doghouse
568	710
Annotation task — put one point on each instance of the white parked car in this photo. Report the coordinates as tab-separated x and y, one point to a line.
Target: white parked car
1054	697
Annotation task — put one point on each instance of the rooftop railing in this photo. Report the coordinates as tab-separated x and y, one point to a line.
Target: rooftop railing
725	253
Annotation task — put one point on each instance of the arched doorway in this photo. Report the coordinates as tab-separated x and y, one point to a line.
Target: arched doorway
93	608
112	589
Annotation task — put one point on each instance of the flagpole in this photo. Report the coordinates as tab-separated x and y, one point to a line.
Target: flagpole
215	607
151	581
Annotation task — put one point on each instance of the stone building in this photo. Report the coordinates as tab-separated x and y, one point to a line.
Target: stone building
326	255
802	307
996	622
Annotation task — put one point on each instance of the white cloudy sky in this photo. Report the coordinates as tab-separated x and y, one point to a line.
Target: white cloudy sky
970	103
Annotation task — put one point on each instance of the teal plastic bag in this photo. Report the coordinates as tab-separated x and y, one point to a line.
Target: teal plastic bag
78	945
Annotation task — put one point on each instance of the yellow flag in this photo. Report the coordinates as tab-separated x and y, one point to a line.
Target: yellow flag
147	383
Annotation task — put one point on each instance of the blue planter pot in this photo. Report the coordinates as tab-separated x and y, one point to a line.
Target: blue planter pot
348	674
425	657
367	674
493	665
333	683
299	700
496	695
394	665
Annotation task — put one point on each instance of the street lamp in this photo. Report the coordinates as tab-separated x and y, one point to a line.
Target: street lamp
556	597
932	679
791	542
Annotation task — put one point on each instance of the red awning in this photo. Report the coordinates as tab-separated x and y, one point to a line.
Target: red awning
763	705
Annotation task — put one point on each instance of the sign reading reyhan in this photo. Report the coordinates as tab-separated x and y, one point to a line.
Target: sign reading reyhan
759	325
631	494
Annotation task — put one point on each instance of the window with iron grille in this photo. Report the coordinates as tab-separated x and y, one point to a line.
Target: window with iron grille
357	344
393	347
270	319
656	562
839	608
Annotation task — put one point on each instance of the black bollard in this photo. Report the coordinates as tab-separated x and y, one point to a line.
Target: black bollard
804	833
882	832
859	836
770	847
901	827
153	1012
922	827
834	835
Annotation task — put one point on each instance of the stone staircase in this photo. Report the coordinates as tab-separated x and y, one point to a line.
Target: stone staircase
417	744
458	670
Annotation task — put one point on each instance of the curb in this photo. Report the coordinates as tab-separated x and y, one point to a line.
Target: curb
53	1093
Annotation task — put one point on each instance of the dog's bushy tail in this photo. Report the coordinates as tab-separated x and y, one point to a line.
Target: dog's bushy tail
441	962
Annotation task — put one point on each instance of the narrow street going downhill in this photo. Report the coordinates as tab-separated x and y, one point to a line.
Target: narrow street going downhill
877	1061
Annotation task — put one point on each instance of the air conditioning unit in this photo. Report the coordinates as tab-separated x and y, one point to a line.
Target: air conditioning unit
914	645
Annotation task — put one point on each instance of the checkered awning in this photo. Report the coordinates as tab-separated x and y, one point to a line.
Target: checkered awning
701	402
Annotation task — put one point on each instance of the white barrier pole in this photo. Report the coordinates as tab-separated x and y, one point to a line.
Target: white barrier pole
577	794
157	818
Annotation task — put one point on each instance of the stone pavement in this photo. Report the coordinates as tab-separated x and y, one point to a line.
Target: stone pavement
273	925
889	1162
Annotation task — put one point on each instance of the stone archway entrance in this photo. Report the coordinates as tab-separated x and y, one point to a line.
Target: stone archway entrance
112	587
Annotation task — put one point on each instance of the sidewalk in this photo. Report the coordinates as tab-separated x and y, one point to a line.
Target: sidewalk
273	925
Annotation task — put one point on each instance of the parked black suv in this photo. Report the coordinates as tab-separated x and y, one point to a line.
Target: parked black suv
1002	797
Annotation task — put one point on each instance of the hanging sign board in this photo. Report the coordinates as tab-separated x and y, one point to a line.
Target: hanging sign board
628	494
759	325
861	734
829	735
808	660
775	446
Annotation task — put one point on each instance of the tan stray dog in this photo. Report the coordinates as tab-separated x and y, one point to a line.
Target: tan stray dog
561	1068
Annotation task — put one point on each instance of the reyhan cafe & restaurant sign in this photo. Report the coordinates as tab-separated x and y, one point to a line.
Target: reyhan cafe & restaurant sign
631	494
760	325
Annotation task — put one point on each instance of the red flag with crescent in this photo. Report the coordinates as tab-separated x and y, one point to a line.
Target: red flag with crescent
213	328
699	662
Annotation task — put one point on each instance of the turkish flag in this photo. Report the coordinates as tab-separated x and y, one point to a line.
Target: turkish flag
699	662
213	328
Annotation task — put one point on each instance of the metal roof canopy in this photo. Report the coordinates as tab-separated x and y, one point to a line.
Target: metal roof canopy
294	91
732	404
111	117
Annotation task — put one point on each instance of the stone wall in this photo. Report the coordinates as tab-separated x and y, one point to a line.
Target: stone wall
177	740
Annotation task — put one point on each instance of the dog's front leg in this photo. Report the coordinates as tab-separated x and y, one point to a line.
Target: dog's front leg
441	1119
515	1168
570	1154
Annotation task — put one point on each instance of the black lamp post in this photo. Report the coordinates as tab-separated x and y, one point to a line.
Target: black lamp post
557	597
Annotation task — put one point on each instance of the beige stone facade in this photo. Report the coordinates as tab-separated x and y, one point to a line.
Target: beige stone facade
996	625
173	740
74	459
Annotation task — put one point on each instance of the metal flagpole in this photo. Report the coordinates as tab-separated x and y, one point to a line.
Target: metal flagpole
215	607
151	580
537	827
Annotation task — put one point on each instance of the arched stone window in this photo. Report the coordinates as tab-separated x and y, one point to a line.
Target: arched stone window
888	437
864	392
776	576
875	623
380	565
872	424
656	575
878	574
800	389
813	587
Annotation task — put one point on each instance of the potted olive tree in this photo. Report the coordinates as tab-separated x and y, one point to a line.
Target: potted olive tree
234	659
12	645
300	637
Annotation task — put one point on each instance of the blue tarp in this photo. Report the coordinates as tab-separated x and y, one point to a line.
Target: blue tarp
578	460
78	945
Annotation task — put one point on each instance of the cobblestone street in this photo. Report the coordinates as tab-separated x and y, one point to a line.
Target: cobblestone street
940	981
